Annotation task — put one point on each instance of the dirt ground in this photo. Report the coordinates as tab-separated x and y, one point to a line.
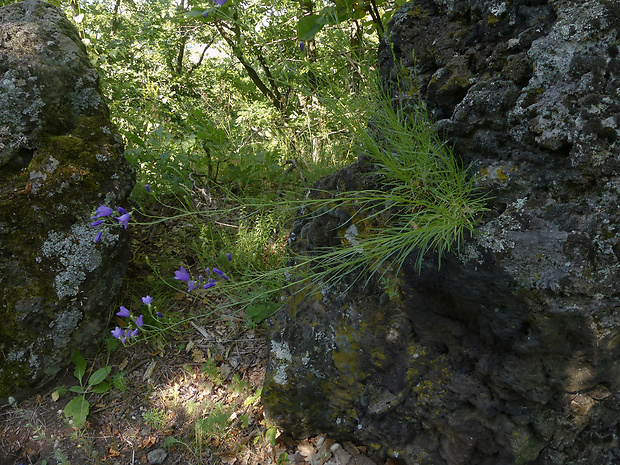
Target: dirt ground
169	409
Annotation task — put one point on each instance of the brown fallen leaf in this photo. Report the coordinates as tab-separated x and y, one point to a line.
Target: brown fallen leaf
147	442
306	449
112	453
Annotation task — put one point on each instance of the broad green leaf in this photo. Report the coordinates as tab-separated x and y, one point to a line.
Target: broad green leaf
309	26
270	435
78	389
101	388
80	365
194	13
78	408
99	375
257	312
135	139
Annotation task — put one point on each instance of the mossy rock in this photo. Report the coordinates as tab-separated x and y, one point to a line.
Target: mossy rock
60	157
508	353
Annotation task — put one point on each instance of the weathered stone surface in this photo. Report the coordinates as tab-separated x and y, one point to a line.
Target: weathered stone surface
510	353
60	157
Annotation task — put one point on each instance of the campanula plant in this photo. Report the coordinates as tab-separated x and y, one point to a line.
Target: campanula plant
136	323
104	219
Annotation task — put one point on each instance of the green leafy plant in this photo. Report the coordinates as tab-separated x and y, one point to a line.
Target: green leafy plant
119	381
211	371
79	407
61	457
155	418
422	201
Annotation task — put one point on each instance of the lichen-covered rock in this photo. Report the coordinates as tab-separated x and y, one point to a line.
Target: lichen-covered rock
60	157
509	353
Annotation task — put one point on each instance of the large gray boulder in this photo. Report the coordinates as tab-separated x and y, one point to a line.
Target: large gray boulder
60	157
509	353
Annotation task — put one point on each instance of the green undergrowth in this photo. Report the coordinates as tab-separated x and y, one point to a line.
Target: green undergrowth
421	201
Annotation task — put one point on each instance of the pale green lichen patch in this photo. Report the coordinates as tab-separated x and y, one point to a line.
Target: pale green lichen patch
75	256
281	358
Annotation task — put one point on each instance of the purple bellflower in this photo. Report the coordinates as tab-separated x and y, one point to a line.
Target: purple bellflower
147	300
147	188
102	210
181	275
123	312
123	219
139	321
98	236
221	273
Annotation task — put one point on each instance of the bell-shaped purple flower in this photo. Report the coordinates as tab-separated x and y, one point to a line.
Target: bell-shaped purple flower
147	188
98	236
124	312
139	321
102	210
181	275
147	300
96	223
117	333
123	219
191	285
221	273
229	257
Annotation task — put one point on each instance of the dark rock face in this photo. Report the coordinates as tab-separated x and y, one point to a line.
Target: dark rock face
509	353
60	157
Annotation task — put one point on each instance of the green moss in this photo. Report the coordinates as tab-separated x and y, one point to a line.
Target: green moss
12	371
428	375
416	12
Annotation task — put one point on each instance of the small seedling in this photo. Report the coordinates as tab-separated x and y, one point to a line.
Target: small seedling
78	407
